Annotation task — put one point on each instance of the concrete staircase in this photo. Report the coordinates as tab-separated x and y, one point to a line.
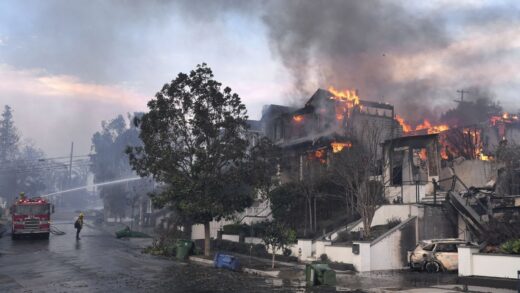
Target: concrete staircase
439	198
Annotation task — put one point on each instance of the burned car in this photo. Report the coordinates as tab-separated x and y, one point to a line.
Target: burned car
435	255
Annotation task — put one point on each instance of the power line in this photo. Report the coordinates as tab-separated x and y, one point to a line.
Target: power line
46	166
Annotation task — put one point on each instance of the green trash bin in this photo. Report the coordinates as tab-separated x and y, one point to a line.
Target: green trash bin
310	275
329	278
183	249
123	233
324	274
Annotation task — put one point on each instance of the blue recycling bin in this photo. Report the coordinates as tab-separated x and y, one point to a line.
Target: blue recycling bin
226	261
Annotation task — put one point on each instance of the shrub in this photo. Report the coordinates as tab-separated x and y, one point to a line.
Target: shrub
324	257
162	245
347	236
243	248
511	246
392	222
236	229
287	252
258	229
259	250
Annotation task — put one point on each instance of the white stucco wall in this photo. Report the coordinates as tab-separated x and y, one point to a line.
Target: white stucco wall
319	247
465	259
339	253
472	263
254	240
493	265
362	261
293	248
386	254
386	212
234	238
197	231
306	248
408	191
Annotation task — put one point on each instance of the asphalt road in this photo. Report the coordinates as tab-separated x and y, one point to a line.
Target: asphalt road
101	263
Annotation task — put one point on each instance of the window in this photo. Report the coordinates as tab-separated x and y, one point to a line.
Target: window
446	247
429	247
32	209
397	167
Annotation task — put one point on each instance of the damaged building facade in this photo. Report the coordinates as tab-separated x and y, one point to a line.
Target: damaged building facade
330	122
426	174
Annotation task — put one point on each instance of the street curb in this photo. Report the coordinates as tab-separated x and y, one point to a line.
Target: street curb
272	274
288	264
201	260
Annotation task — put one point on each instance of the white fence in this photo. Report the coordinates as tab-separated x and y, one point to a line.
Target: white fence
384	253
340	253
234	238
472	263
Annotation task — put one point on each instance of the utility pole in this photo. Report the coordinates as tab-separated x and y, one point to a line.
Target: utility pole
70	163
461	92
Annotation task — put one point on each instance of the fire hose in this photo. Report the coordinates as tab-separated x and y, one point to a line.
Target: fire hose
56	231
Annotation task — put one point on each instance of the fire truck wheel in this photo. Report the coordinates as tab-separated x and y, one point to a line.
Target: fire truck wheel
45	235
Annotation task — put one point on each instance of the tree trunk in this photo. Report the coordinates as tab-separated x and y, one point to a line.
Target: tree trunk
132	223
305	220
310	214
272	263
315	218
207	242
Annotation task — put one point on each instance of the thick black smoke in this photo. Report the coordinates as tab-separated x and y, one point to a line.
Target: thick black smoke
351	44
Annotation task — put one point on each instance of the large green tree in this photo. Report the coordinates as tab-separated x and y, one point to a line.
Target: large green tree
263	166
195	143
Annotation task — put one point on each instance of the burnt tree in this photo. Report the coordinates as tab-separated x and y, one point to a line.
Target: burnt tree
356	170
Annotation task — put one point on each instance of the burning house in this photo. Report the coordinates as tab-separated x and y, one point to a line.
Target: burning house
330	122
431	177
410	166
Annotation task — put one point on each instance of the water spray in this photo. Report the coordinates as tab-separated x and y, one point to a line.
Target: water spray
94	185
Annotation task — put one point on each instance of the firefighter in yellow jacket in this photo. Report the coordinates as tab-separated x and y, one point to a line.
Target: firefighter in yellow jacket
78	225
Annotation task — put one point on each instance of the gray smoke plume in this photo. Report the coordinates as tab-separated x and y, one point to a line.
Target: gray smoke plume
348	44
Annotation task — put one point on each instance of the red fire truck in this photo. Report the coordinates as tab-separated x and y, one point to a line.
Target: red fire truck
31	217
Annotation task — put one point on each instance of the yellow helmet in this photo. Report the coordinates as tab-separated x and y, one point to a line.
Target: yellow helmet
81	215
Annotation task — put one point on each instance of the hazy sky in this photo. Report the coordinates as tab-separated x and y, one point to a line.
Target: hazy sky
67	65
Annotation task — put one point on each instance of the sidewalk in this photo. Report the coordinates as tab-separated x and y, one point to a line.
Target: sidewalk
261	266
443	289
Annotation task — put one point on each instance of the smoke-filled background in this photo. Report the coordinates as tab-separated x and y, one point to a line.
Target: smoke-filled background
67	65
415	57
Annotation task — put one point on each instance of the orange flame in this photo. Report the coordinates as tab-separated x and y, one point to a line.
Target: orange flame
423	154
444	155
320	155
298	118
344	95
339	146
425	125
438	128
504	118
484	157
406	127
